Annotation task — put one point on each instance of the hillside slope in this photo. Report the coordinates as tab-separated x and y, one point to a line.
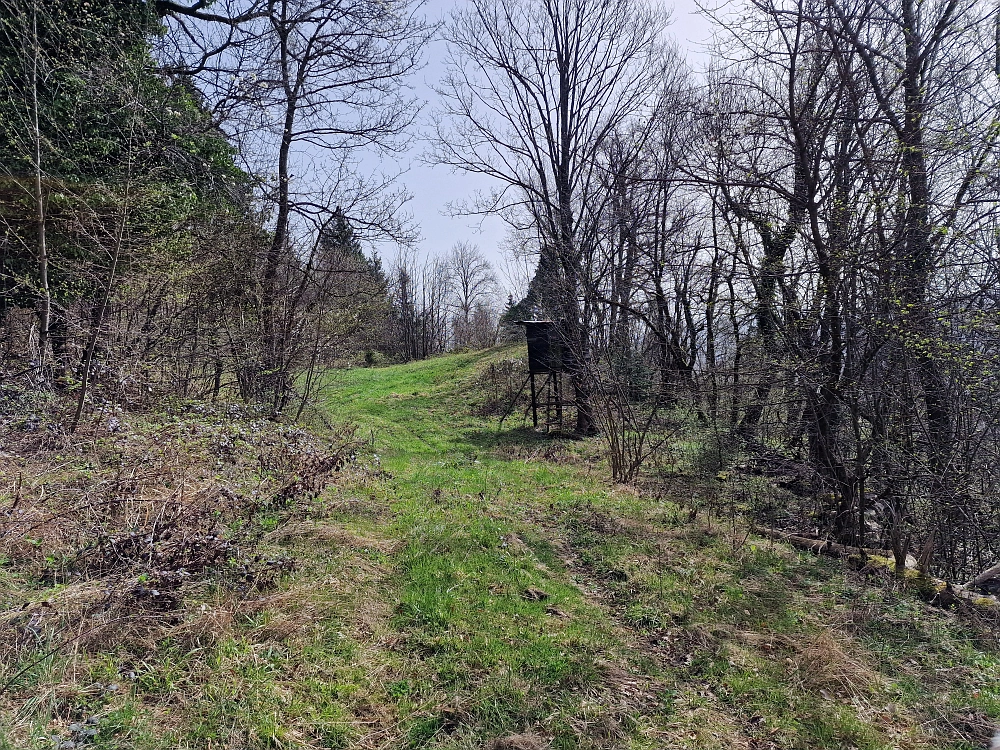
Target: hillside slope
456	586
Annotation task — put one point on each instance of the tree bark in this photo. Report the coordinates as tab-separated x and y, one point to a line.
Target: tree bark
45	307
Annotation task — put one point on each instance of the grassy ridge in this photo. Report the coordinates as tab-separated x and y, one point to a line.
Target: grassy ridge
459	585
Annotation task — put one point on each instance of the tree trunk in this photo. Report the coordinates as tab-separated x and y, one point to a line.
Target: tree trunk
45	304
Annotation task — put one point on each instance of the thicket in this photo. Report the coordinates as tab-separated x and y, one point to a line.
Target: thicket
145	249
798	249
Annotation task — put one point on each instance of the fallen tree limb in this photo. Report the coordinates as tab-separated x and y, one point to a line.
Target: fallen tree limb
933	590
988	580
822	546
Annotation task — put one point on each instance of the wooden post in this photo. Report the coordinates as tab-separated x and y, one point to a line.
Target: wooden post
534	401
559	406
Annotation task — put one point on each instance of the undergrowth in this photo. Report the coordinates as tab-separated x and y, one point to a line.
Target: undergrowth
441	583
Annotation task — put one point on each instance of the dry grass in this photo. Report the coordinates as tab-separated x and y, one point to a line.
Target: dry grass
118	541
827	666
331	534
404	624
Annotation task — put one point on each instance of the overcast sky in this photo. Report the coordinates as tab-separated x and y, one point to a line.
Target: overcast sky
434	187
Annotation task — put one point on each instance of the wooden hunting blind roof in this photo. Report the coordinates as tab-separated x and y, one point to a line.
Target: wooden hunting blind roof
546	352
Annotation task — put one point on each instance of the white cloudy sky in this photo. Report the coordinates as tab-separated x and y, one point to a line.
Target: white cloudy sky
434	187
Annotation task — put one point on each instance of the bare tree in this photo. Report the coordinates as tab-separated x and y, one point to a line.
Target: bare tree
474	287
422	295
303	85
845	158
533	91
645	257
20	30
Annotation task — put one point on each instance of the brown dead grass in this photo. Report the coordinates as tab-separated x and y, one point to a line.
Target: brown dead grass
328	533
115	541
701	726
625	693
827	664
527	741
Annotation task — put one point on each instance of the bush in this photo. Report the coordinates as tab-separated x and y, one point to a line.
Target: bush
374	358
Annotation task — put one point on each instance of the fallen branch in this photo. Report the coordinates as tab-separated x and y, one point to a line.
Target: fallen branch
824	546
988	580
936	591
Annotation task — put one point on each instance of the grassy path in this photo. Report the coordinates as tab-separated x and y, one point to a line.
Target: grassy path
498	639
522	594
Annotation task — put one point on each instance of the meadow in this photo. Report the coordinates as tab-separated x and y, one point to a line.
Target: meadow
455	584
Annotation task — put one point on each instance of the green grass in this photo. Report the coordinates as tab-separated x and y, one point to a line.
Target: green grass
625	572
462	583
